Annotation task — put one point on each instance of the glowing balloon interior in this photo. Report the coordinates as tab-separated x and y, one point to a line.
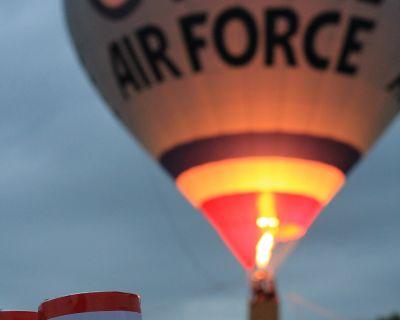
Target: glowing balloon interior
257	109
251	198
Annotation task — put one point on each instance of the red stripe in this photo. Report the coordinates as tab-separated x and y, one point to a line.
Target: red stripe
234	217
18	315
89	302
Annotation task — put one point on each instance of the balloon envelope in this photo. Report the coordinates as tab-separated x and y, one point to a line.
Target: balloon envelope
257	109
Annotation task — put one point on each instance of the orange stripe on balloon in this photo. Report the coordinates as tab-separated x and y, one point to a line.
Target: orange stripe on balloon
261	174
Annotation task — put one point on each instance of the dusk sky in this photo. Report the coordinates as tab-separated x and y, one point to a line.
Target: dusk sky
83	207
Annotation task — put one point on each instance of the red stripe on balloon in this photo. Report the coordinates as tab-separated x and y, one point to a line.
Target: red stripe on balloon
234	218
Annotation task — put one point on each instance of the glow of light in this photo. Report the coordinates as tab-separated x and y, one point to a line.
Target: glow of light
267	222
266	205
291	232
113	3
312	179
264	250
267	209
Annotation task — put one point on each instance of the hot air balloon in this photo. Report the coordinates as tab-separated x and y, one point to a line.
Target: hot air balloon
257	109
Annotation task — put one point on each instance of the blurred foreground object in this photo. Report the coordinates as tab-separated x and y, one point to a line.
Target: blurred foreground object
92	306
18	315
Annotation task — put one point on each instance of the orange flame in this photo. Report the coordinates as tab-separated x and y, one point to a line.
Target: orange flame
269	223
264	250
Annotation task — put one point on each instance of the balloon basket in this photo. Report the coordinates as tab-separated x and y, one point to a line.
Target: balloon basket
264	304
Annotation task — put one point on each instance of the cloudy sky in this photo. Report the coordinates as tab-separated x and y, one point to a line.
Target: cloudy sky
82	208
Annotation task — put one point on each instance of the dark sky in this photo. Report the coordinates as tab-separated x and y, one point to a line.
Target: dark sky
83	208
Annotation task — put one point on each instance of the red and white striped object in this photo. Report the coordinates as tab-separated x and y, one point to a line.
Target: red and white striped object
92	306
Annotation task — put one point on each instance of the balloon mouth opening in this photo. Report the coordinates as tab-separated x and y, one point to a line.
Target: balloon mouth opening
256	225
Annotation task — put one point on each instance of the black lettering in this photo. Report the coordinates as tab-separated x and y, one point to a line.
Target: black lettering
353	45
373	2
121	70
136	62
193	43
276	39
321	21
395	83
155	45
241	15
